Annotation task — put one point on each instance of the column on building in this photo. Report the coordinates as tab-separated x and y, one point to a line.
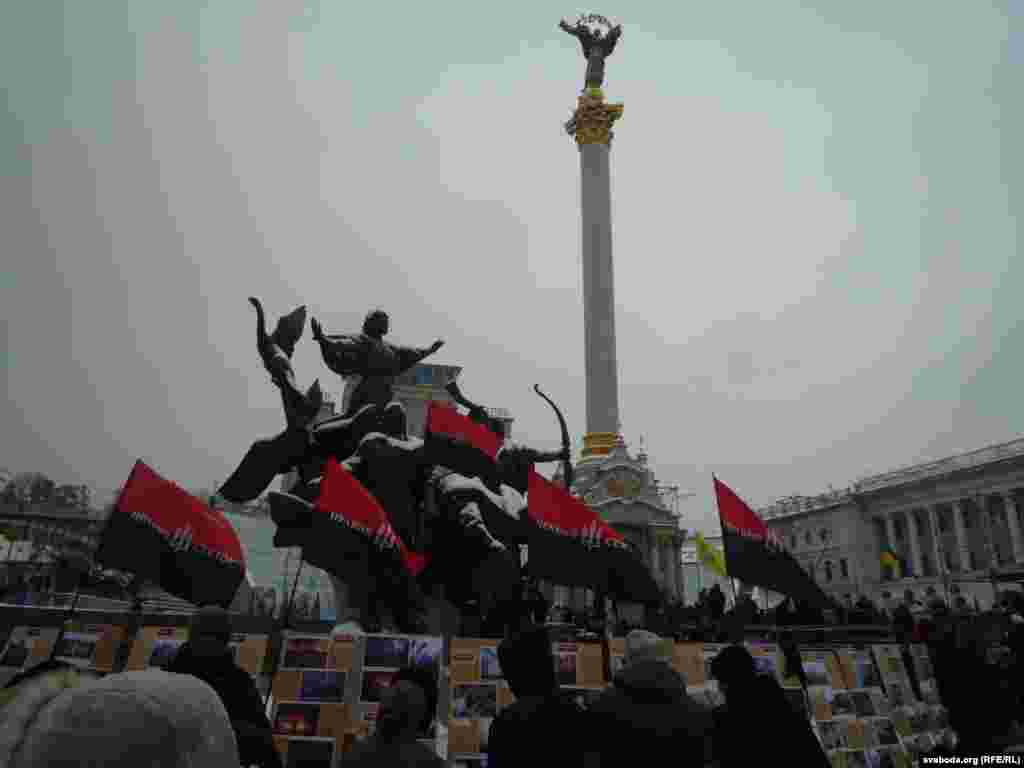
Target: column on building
677	555
985	521
655	565
1013	522
933	521
915	543
962	546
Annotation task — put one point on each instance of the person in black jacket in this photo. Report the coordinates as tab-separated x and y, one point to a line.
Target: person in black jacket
756	723
207	656
406	715
648	708
543	724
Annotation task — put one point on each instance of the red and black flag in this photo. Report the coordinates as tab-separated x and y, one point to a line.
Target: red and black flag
571	545
445	420
345	533
162	533
755	554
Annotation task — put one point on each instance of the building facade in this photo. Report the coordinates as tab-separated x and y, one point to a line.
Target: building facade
955	525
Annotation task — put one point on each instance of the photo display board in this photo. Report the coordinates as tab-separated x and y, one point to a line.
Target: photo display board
25	647
479	692
921	725
329	690
91	646
156	647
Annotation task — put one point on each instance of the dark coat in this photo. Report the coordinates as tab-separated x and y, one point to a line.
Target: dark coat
241	699
372	754
647	708
757	726
538	729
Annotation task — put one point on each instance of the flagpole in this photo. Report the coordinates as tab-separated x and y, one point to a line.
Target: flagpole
279	630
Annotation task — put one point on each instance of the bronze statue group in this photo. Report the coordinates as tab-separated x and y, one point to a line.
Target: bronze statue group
442	495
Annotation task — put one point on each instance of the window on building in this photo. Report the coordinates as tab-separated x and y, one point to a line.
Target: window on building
808	538
828	571
824	535
942	521
792	542
844	568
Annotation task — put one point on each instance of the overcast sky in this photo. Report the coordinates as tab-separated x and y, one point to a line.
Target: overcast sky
815	211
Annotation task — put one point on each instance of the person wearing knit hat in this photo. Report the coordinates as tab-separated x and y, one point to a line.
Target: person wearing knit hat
207	656
61	718
642	646
757	708
647	704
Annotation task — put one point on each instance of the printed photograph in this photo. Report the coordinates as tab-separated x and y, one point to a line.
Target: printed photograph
924	668
817	672
938	719
797	700
766	665
857	759
919	722
490	668
296	719
887	758
323	685
930	693
305	653
880	703
164	651
842	704
475	701
390	652
310	754
374	685
867	674
862	703
566	668
832	734
426	651
886	732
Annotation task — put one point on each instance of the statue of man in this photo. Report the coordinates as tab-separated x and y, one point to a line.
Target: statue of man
377	362
597	47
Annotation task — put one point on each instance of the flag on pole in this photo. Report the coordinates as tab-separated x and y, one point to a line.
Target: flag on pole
755	554
710	556
164	534
889	560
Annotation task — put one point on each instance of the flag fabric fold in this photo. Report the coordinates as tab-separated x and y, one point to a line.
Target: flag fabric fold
162	533
755	554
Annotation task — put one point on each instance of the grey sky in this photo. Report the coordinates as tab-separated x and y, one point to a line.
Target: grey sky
816	217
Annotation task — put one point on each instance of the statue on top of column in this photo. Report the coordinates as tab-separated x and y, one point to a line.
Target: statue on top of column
366	355
597	42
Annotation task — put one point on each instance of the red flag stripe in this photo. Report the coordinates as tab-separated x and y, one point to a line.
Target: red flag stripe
739	517
552	507
445	420
177	515
349	503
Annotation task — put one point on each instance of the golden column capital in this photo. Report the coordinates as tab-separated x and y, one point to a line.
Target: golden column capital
593	119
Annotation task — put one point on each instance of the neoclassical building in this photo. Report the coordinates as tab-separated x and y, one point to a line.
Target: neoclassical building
956	524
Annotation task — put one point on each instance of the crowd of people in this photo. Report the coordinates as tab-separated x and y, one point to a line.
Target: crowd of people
203	710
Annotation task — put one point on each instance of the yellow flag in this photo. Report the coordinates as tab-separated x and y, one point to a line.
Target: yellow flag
710	556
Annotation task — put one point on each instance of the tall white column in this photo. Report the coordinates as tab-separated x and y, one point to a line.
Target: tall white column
1013	522
598	290
962	546
933	521
915	544
655	560
985	519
